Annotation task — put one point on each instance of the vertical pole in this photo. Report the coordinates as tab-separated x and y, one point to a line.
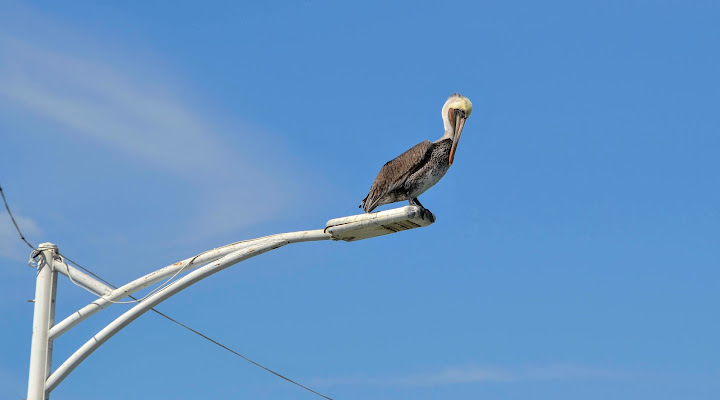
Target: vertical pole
51	323
44	309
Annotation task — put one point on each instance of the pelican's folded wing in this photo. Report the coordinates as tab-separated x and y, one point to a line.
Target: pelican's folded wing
396	171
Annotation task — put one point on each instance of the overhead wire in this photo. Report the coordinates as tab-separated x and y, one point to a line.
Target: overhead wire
12	218
204	336
161	287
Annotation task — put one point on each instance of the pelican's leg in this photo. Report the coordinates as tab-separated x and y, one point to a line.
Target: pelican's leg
416	202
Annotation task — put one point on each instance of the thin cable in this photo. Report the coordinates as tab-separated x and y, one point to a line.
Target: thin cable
163	286
17	228
135	299
90	272
152	309
240	355
202	335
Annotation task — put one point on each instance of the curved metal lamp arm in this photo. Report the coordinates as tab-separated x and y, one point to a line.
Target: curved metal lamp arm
138	284
203	272
350	228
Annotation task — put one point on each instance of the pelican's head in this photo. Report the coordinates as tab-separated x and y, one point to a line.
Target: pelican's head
456	110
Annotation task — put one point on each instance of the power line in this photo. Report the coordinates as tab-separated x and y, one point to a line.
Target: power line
240	355
17	228
201	334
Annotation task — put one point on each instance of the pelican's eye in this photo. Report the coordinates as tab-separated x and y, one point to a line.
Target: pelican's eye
453	113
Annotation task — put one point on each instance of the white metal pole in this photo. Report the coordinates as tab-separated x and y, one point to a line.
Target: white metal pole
351	228
106	333
51	321
82	279
44	305
147	280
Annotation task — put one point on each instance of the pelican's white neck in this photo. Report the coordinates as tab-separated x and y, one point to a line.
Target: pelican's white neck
449	133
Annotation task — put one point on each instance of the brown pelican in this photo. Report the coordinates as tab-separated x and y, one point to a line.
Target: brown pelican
413	172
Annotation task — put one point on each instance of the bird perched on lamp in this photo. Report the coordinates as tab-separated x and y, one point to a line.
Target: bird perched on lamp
410	174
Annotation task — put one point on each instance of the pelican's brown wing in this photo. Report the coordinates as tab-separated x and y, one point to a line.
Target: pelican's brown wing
395	172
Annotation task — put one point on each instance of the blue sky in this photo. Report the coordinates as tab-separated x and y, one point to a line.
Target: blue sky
576	249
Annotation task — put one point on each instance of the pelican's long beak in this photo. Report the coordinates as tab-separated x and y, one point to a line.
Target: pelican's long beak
459	124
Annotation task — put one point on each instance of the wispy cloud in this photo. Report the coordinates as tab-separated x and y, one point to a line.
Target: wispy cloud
147	121
477	374
104	104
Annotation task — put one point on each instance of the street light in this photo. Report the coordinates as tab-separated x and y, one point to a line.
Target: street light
364	226
42	380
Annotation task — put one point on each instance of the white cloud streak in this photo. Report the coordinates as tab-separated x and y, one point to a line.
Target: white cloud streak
105	105
138	117
478	374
